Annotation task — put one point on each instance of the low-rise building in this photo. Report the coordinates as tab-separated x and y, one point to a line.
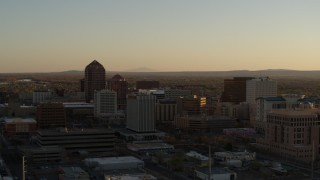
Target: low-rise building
243	156
200	159
19	126
114	163
216	174
88	142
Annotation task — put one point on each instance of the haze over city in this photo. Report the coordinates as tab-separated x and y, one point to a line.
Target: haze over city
182	35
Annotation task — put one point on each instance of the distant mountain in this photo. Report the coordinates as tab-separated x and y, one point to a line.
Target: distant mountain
142	72
141	69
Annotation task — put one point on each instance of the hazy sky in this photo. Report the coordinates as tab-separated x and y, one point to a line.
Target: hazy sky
167	35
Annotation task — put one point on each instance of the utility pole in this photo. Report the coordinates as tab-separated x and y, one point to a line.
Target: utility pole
312	159
209	162
23	168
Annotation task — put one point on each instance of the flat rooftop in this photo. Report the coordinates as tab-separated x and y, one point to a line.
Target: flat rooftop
149	146
74	131
114	160
19	120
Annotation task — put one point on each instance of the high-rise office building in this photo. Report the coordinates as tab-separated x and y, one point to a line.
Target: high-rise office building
234	90
94	80
260	87
105	103
141	113
119	85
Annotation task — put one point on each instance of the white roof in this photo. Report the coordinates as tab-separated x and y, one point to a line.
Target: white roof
19	120
197	155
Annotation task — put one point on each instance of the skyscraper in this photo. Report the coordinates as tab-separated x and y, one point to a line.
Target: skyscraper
235	90
119	85
94	80
260	87
141	113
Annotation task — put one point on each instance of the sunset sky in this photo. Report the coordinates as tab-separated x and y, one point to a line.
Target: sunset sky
165	35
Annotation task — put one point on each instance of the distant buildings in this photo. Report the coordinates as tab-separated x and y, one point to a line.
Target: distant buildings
94	80
141	113
51	115
147	84
118	84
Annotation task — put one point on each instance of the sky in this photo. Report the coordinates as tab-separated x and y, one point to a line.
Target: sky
164	35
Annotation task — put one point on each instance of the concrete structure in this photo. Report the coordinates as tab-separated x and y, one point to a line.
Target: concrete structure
105	103
292	133
86	142
114	163
19	126
51	115
256	88
119	84
234	90
260	87
147	84
266	104
173	94
40	96
39	156
94	80
141	113
216	174
166	111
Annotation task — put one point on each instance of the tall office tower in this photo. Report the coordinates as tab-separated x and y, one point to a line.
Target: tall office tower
256	88
105	103
147	84
234	90
51	115
94	80
260	87
119	85
141	113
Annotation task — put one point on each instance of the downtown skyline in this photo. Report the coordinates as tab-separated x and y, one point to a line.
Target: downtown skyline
39	36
